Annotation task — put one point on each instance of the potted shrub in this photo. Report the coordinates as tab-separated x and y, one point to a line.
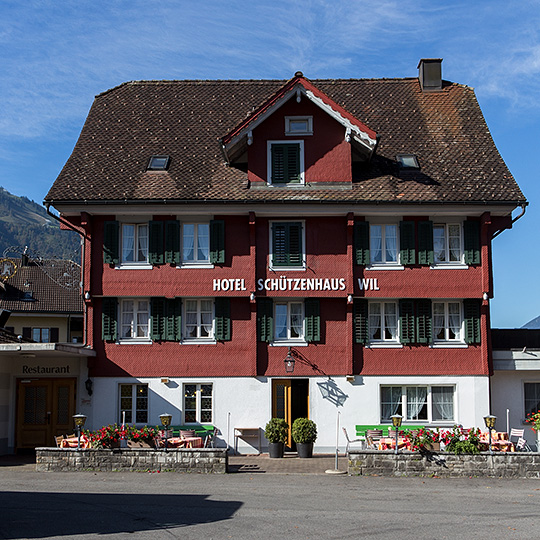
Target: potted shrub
304	434
276	433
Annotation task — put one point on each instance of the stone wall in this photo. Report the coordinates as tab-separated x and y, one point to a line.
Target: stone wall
204	460
498	465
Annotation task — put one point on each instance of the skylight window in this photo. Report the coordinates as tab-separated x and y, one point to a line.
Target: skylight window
158	163
408	161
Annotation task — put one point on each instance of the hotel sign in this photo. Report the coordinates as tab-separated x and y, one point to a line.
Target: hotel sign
283	283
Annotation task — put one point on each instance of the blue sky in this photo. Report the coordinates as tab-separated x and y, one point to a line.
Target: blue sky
57	55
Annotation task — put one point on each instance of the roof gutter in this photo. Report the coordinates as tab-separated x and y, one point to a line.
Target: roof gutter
523	208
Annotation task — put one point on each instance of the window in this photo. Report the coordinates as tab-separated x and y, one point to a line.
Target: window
195	243
134	318
418	403
447	321
199	319
383	244
289	321
287	245
134	402
158	163
383	322
41	335
198	403
299	125
447	243
134	242
532	397
407	161
286	162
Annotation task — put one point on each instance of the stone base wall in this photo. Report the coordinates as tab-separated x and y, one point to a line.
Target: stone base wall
498	465
203	460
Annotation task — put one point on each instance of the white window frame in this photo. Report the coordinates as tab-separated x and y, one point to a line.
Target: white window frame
136	238
198	403
133	338
133	410
525	411
271	266
395	265
447	263
383	341
291	119
403	410
290	339
269	163
196	262
447	340
211	338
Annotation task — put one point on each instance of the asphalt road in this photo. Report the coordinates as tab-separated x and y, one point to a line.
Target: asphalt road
262	506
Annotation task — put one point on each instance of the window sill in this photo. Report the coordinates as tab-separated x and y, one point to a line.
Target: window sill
133	266
289	343
385	267
287	268
199	265
449	345
384	345
200	341
134	341
449	266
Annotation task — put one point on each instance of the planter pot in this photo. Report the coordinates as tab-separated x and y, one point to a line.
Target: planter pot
138	444
305	450
276	449
433	447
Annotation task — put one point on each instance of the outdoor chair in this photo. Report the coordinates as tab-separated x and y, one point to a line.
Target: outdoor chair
516	437
58	440
210	440
349	442
375	434
187	433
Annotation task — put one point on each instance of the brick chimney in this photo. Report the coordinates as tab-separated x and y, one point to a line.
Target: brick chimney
430	74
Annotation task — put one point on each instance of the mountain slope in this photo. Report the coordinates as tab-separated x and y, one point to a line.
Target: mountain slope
534	324
23	223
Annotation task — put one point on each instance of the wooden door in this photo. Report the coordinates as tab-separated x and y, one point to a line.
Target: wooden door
281	403
45	409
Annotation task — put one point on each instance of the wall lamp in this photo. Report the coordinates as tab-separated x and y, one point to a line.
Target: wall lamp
89	384
289	361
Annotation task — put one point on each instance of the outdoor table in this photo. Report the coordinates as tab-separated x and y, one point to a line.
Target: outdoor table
183	442
72	442
386	443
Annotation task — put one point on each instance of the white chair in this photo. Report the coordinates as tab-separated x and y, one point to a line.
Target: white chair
520	443
349	442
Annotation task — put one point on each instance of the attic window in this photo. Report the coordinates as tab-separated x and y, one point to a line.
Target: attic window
407	161
299	125
27	296
158	163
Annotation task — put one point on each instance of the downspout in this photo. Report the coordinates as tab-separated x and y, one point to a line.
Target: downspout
83	259
523	208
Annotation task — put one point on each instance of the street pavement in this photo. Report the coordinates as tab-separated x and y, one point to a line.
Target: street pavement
261	504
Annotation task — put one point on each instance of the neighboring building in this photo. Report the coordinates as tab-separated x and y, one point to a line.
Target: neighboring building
515	385
41	351
234	226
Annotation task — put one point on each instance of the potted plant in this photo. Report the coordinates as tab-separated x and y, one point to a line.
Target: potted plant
276	432
304	434
534	420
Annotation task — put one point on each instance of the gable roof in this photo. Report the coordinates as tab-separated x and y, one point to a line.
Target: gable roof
32	290
186	120
299	86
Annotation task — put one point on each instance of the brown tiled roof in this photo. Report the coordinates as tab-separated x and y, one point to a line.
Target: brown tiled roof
9	337
31	289
185	119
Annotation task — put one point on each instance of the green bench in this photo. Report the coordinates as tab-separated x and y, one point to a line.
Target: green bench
361	429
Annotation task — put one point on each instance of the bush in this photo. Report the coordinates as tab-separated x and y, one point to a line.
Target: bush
304	430
277	430
109	436
462	441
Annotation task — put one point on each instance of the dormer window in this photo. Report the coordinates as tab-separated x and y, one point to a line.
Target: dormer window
285	162
158	163
299	125
407	161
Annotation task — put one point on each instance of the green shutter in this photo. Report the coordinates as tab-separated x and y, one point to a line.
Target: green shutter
217	241
312	320
361	243
157	314
285	163
109	318
406	322
360	321
155	242
172	242
425	242
406	242
471	308
265	319
287	244
173	319
423	321
111	242
471	233
223	318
